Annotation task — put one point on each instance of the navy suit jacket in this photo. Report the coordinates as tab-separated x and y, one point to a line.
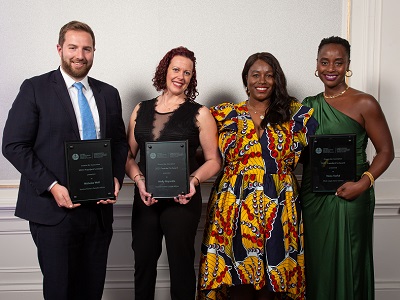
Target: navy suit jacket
40	120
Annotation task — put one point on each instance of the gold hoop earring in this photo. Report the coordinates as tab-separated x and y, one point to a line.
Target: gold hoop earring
316	73
349	71
247	91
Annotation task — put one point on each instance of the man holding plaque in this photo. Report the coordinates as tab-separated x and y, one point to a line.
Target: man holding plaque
62	106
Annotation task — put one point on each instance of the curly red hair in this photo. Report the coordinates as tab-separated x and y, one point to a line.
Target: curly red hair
159	79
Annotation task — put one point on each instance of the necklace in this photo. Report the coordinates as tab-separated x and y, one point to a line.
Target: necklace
169	108
256	112
337	95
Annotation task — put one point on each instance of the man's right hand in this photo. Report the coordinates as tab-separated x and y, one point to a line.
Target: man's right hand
61	195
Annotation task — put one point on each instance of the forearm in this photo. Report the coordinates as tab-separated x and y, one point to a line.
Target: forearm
27	163
132	168
207	170
380	163
351	190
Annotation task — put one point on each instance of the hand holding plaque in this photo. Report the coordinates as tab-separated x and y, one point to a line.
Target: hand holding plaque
167	172
333	161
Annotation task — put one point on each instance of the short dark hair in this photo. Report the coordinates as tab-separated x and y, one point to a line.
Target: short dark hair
75	25
159	79
335	40
279	109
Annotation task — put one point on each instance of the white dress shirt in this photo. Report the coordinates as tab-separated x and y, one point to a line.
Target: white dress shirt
73	93
87	91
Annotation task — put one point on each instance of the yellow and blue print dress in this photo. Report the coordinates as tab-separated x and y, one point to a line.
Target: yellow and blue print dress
254	231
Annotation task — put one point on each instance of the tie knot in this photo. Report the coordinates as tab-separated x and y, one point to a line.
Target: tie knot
78	85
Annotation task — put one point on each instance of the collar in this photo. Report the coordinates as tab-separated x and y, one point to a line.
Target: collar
69	81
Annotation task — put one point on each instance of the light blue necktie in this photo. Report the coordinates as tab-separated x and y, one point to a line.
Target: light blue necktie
88	127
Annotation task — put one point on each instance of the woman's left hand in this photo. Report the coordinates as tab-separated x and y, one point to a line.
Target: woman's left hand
351	190
184	199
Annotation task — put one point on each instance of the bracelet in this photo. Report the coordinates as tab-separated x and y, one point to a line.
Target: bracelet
138	174
371	178
141	177
198	181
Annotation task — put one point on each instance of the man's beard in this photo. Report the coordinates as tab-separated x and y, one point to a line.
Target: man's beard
67	67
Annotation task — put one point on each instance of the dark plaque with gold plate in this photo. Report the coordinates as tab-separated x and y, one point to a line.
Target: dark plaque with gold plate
167	171
89	170
333	161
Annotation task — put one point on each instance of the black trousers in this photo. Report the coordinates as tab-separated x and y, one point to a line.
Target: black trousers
178	224
73	255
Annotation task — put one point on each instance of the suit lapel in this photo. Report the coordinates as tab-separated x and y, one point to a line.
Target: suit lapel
101	105
62	93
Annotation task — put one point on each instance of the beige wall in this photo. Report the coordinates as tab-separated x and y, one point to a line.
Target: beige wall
131	38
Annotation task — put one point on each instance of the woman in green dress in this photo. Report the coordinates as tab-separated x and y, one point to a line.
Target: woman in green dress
338	226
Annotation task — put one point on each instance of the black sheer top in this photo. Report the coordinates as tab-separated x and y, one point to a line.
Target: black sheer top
177	125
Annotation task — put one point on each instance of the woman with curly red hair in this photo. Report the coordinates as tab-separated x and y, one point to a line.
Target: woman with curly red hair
172	116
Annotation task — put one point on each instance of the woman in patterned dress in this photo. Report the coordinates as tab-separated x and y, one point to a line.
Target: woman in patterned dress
253	245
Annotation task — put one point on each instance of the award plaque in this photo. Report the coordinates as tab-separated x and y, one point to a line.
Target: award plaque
333	161
167	172
89	170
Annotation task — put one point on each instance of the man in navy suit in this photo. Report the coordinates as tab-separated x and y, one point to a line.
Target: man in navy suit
72	240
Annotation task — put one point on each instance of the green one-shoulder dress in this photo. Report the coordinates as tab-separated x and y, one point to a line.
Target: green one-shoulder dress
337	232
